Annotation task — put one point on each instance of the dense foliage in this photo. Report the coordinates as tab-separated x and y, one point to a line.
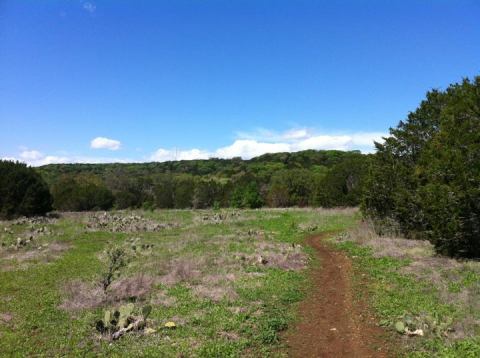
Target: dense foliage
426	176
319	178
81	193
23	192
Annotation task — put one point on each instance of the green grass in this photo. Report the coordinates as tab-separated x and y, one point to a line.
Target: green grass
247	324
32	291
394	296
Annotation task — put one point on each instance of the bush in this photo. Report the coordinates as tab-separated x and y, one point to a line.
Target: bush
291	187
23	192
426	176
343	184
81	193
247	196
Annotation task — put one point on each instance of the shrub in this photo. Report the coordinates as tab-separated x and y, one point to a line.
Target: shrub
247	196
343	184
426	176
81	193
291	187
22	191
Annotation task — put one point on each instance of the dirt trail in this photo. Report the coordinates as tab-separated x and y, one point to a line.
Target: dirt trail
331	323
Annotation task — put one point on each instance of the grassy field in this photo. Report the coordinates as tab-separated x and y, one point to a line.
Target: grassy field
227	279
410	286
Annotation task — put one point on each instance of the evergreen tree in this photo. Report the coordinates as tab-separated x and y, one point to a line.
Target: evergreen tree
23	192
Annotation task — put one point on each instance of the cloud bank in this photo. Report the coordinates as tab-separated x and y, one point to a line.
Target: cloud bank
246	146
249	145
105	143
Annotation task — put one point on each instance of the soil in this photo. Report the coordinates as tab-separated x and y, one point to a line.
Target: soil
332	321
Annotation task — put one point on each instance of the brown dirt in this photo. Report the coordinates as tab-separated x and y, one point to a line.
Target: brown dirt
332	323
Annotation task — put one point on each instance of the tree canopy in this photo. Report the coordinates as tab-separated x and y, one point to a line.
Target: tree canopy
23	192
426	176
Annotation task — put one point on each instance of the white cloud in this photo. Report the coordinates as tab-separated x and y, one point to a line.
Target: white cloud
295	134
339	142
30	154
262	141
365	139
246	146
105	143
89	7
35	158
164	155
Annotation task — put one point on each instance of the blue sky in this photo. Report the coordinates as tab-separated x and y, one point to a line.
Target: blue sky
99	81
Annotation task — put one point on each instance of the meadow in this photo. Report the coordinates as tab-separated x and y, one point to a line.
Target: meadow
227	279
217	283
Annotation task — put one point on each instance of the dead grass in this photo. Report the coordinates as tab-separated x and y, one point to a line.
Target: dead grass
42	254
277	255
6	317
135	288
215	293
456	281
230	336
388	246
80	295
163	299
185	269
124	223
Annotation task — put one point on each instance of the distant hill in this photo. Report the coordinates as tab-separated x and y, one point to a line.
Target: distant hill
317	160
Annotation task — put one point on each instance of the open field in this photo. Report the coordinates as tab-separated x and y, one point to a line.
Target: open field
227	279
230	281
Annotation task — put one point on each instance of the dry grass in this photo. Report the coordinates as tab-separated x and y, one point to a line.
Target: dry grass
42	253
455	280
185	269
388	246
135	288
124	223
215	293
80	295
163	299
276	255
6	317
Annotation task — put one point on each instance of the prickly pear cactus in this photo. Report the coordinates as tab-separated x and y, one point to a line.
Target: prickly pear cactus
146	310
125	313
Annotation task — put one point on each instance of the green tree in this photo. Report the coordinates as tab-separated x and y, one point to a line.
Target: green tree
426	176
184	188
206	193
81	193
163	191
22	191
290	187
343	184
246	196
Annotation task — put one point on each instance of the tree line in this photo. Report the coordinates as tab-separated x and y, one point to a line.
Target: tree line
423	181
290	181
307	178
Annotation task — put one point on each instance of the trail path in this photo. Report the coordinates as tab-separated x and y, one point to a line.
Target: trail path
331	323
